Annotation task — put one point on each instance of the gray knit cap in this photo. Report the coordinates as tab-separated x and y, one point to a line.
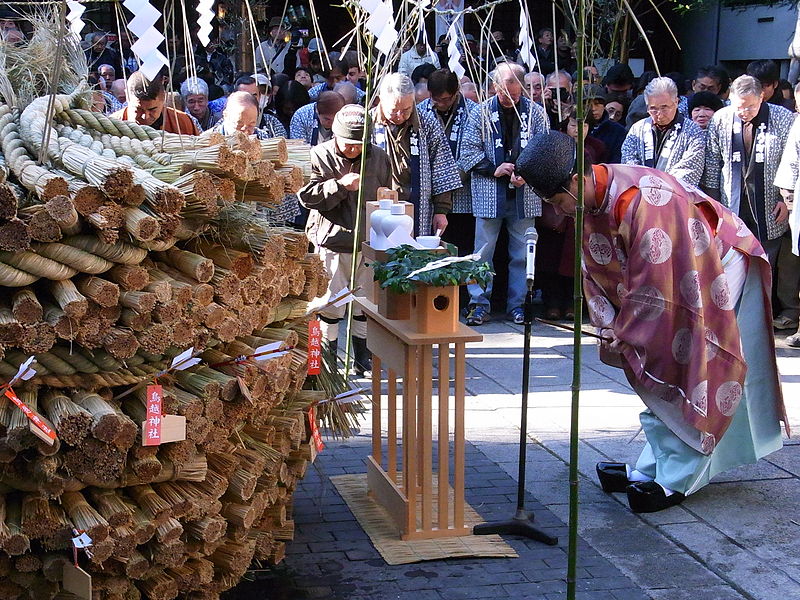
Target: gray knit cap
348	124
547	162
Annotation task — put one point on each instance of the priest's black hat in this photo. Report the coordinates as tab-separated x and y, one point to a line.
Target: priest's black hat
547	162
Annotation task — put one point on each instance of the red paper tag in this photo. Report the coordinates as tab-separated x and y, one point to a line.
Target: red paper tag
314	347
32	415
315	435
151	435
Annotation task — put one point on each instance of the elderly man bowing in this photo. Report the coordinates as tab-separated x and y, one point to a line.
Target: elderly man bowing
665	262
666	140
495	134
423	169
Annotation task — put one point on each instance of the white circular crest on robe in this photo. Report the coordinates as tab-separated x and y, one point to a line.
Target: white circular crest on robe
690	289
728	396
655	246
648	303
712	345
699	235
721	293
621	291
682	346
699	397
600	248
602	310
655	190
741	228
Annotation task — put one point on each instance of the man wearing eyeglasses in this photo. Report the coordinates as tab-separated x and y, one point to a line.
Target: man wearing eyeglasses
745	142
679	287
424	171
666	140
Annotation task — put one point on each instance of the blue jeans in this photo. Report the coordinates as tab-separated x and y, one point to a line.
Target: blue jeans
486	232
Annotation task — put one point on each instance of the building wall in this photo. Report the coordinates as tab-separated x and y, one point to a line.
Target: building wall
733	37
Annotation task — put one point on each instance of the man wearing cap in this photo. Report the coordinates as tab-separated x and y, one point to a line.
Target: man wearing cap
745	142
601	127
666	140
417	55
702	106
423	169
332	198
496	133
276	54
664	262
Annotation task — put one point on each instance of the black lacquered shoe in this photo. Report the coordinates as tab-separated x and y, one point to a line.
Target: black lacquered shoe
613	476
648	496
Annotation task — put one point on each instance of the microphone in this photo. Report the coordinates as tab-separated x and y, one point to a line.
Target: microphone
531	237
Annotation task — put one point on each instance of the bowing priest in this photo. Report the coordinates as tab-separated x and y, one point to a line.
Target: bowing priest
666	140
664	261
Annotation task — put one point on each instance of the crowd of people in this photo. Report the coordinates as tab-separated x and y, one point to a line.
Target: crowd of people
452	143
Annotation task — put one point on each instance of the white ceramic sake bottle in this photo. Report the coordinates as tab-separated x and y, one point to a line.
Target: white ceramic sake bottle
376	238
397	225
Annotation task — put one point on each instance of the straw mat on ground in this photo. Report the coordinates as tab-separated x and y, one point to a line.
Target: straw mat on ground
382	531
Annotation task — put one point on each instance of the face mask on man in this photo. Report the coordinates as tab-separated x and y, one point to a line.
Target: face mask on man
262	102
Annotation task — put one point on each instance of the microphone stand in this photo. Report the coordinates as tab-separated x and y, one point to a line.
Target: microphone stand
521	523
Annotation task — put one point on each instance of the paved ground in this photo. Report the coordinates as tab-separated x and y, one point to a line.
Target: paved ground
736	539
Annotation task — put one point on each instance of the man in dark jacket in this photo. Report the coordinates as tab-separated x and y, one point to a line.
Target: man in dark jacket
332	197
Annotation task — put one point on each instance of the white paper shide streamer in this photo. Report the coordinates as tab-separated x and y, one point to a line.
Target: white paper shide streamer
205	10
145	16
381	23
525	41
453	51
74	17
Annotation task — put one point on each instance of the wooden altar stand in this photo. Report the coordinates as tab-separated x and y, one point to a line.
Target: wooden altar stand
414	487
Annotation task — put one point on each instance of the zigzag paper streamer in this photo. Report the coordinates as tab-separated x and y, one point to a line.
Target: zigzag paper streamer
525	41
454	54
205	8
76	10
145	16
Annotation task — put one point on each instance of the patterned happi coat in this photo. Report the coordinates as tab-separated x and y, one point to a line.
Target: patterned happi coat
462	201
484	140
653	272
305	125
682	155
438	172
720	171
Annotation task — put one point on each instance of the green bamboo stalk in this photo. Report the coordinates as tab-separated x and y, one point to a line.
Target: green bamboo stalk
356	246
572	549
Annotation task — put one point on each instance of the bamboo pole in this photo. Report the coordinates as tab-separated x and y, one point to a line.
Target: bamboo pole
577	307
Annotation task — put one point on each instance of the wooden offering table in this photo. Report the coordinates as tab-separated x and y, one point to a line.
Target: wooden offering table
414	488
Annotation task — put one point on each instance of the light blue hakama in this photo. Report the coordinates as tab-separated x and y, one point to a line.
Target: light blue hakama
755	430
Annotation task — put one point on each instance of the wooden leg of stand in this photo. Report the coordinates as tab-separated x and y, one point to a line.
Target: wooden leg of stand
444	434
410	436
425	440
376	410
391	435
458	438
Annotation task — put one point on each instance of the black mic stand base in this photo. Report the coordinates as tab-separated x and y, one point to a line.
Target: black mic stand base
522	522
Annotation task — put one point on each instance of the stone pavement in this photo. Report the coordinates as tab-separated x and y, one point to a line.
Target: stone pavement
733	540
